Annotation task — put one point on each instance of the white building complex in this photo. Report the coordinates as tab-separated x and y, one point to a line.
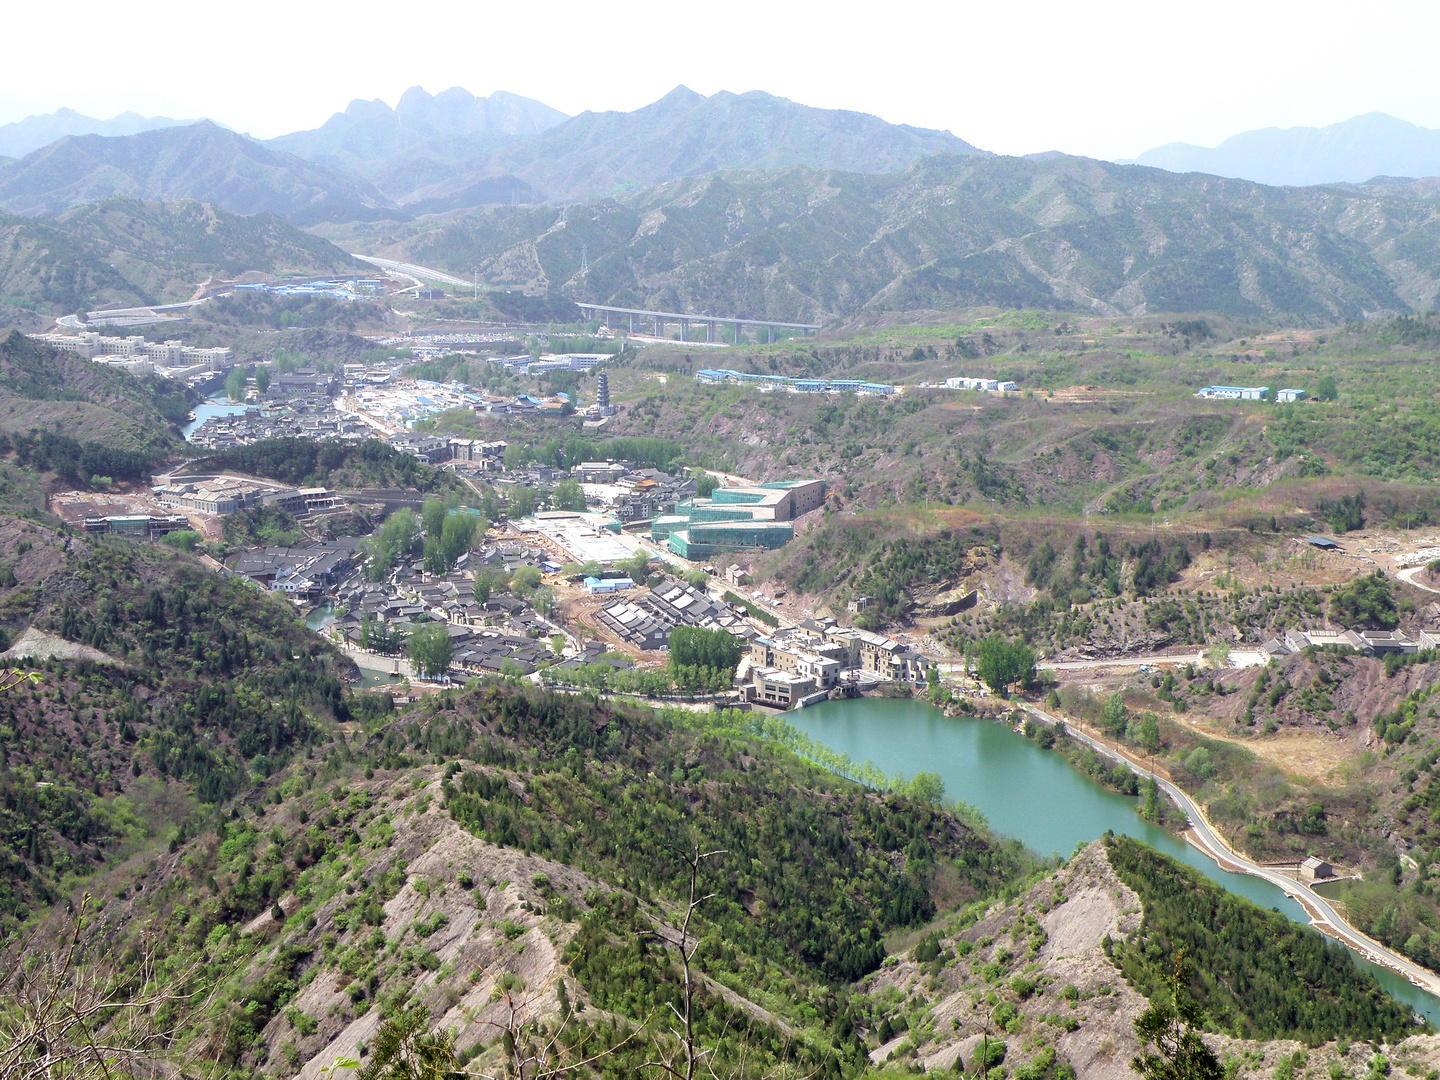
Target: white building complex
227	494
138	356
994	386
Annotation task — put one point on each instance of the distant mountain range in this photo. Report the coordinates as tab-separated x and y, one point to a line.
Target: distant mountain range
454	150
953	232
23	136
688	134
1359	149
199	161
743	203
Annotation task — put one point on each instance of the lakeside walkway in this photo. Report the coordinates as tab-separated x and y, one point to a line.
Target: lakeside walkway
1204	837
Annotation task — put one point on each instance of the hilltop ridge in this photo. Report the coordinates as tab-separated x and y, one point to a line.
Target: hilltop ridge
23	136
953	232
1352	151
196	161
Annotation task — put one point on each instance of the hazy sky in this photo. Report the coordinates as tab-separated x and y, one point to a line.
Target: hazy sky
1109	78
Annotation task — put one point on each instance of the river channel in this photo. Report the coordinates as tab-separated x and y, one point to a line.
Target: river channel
1030	794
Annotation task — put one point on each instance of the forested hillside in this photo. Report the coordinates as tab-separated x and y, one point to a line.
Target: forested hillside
501	865
56	404
1260	975
351	463
487	821
201	687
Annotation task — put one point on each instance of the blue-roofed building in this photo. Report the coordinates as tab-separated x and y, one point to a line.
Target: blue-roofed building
608	585
1233	393
794	385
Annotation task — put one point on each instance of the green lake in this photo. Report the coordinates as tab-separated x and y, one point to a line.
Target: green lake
320	615
1030	794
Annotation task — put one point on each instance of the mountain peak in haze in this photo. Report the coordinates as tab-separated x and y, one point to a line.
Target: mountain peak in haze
24	136
1352	151
453	125
435	152
685	134
196	161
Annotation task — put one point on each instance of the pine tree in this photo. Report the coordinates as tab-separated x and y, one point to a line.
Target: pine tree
1171	1028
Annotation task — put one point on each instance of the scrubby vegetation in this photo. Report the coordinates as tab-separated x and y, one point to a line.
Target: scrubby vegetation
337	464
1263	976
214	688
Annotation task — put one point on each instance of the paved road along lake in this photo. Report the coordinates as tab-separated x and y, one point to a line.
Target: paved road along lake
1030	794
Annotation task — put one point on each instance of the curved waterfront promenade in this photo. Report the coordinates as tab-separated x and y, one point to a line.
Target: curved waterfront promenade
1202	835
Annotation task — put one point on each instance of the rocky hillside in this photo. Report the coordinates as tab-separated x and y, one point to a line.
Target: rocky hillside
198	161
500	860
1054	979
502	865
124	251
496	845
959	231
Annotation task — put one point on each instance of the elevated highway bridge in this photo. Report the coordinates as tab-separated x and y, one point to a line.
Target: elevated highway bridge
659	320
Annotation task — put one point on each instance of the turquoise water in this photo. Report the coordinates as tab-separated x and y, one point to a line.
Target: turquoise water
1030	794
218	405
320	615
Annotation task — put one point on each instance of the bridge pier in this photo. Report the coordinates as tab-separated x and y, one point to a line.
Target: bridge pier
659	320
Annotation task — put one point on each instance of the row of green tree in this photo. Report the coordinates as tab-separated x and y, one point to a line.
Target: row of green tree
80	463
702	658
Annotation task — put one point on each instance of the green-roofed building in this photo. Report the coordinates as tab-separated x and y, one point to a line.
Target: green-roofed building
705	540
738	518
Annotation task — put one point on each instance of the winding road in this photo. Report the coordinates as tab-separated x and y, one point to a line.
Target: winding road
1238	658
1408	576
1323	916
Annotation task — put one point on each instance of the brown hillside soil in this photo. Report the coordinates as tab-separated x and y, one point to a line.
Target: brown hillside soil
1064	921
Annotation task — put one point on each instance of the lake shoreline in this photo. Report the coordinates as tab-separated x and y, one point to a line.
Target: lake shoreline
996	769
